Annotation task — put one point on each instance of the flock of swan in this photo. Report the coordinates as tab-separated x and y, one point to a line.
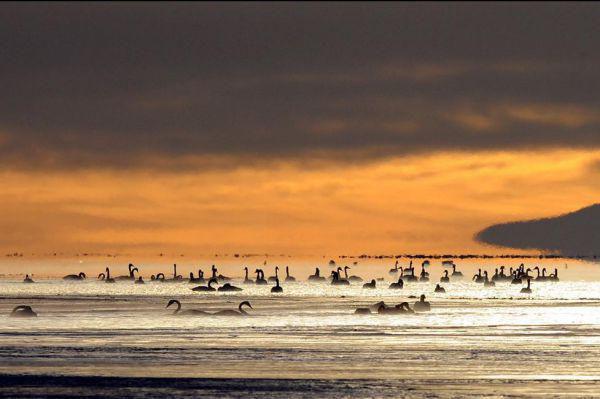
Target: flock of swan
339	276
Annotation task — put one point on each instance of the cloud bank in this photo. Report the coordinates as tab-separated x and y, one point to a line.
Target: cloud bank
192	86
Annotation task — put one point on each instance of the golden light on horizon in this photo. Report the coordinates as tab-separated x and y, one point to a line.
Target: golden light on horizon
430	203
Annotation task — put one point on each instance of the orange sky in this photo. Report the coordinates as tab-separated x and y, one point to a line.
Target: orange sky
409	204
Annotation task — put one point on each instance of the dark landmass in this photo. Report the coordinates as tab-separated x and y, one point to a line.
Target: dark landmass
572	234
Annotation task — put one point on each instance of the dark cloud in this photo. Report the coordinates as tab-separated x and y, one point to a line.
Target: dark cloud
105	85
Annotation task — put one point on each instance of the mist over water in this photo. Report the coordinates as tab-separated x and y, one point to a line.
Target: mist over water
474	338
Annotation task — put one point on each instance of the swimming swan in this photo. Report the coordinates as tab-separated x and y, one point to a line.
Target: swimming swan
277	289
422	305
317	276
23	311
398	285
190	312
247	280
445	278
229	288
208	287
287	275
527	290
80	276
28	279
239	312
370	285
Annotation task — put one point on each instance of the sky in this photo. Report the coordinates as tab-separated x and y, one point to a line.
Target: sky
293	128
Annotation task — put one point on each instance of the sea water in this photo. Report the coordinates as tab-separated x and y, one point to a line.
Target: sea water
97	339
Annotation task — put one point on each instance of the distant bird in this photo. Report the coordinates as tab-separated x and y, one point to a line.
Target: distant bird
439	289
456	274
316	277
239	312
354	279
22	311
478	278
28	279
527	290
486	280
130	276
272	279
140	280
554	276
277	289
445	278
260	277
80	276
208	287
336	280
370	285
108	278
397	285
229	288
422	305
287	275
394	269
191	312
247	280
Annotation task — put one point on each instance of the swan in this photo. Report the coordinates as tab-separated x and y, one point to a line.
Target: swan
272	279
229	288
424	277
445	278
80	276
411	276
102	276
527	290
287	275
28	279
317	276
370	285
478	278
193	279
336	280
239	312
394	269
398	285
177	278
439	289
496	275
516	278
260	277
220	276
246	279
456	274
159	277
486	281
140	280
406	307
423	266
207	287
23	311
277	289
108	279
191	312
554	276
356	279
422	305
362	311
131	276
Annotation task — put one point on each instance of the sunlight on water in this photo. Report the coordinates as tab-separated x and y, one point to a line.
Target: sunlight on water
472	333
